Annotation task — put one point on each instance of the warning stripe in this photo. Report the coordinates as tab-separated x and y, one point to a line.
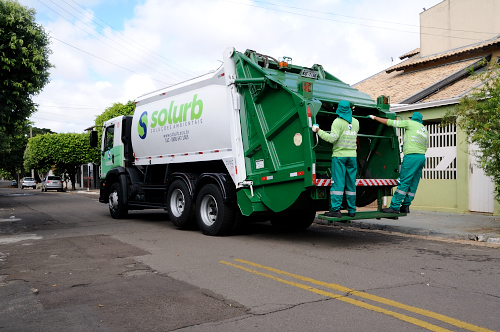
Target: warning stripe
360	182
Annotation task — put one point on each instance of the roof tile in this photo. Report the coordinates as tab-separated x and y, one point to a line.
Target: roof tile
399	85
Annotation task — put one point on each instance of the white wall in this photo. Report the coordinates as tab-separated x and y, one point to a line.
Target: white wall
455	23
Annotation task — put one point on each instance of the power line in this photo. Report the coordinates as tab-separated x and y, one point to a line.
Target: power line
114	64
182	69
332	20
110	38
72	108
52	120
122	53
365	19
57	103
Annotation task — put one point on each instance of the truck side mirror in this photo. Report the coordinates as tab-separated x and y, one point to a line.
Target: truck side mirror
93	138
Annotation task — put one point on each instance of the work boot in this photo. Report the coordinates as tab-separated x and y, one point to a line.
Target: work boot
335	214
405	209
351	214
389	210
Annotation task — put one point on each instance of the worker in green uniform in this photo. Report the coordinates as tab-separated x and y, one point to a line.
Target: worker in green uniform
343	136
415	144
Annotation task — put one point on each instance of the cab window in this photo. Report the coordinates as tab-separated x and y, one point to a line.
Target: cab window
110	138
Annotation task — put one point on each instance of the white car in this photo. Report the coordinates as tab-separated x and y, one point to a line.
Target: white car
52	183
28	182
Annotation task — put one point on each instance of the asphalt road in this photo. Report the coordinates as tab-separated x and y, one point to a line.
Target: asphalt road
66	265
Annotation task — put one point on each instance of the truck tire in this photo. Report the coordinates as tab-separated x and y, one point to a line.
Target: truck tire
117	207
213	215
293	220
180	205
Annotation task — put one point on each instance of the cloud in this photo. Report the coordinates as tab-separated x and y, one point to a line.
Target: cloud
166	42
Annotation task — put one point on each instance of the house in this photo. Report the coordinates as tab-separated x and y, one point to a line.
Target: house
455	35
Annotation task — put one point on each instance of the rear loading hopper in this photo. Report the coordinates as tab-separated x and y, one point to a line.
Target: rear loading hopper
288	166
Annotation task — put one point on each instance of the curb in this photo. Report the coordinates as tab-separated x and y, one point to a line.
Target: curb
410	230
84	192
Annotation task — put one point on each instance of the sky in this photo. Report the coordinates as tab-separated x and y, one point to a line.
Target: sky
113	51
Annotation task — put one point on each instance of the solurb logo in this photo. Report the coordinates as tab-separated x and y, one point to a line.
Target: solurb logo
142	126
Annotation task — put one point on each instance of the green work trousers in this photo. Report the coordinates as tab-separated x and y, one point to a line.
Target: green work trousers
411	171
343	180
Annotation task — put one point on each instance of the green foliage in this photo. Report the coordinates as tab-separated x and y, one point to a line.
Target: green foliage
114	111
62	152
478	115
13	161
6	175
24	65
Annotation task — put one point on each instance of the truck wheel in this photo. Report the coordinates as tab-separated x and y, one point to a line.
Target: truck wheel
180	205
117	207
213	215
293	220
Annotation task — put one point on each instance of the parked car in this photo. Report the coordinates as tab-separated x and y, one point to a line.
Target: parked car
52	183
13	183
28	182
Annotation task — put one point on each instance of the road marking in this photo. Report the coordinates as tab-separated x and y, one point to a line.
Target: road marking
353	292
18	238
10	219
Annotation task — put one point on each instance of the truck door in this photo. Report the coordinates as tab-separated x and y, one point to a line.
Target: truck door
112	147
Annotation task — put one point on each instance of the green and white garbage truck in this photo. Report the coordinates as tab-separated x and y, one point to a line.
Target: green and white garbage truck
236	145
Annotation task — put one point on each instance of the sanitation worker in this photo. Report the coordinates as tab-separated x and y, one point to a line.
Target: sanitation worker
344	167
415	144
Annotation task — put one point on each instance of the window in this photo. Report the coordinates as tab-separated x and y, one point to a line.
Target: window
110	138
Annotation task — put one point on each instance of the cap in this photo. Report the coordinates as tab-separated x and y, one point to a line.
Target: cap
416	116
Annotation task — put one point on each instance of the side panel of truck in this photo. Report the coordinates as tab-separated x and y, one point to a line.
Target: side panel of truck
188	127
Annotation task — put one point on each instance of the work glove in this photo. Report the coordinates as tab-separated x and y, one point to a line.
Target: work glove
315	128
372	117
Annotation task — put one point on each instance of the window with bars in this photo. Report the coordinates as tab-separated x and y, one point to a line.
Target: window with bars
441	156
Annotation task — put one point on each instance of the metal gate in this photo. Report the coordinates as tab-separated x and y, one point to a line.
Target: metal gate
441	156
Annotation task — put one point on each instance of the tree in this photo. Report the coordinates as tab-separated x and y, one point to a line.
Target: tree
114	111
24	65
478	115
14	160
62	152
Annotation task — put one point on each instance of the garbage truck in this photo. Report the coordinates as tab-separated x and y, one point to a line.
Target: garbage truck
236	145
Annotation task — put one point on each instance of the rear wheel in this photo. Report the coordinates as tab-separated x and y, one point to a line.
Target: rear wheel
214	216
117	207
180	205
294	220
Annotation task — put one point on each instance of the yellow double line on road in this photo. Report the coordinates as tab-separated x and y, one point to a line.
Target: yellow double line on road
350	300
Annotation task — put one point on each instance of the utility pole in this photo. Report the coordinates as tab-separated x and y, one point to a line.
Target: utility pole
31	136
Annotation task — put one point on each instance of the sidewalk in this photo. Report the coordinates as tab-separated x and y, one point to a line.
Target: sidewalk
474	227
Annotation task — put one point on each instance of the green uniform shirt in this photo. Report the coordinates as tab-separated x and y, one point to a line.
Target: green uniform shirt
416	138
343	137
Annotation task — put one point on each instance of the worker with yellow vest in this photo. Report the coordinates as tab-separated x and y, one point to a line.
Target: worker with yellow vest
415	144
343	136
